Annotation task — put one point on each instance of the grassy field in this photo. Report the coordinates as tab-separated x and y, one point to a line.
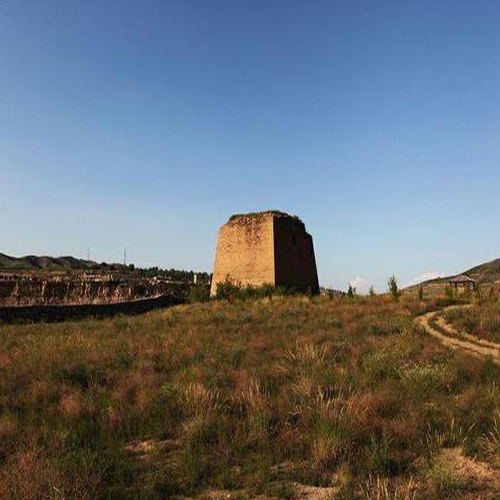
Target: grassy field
246	398
481	320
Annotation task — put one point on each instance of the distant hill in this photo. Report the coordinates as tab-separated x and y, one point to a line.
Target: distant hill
32	264
489	272
486	273
43	263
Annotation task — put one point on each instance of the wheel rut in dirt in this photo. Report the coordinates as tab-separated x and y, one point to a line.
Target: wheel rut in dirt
450	337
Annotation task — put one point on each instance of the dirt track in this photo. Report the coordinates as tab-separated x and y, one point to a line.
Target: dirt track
471	344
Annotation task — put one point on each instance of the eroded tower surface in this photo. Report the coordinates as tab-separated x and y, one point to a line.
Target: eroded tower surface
266	247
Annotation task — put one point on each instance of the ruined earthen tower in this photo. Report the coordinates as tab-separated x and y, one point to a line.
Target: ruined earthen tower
266	247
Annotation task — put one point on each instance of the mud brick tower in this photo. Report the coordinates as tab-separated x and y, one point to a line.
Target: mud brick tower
266	247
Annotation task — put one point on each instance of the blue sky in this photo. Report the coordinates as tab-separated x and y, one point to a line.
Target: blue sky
145	125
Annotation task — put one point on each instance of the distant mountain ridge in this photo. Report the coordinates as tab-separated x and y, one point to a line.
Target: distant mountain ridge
489	272
32	264
43	263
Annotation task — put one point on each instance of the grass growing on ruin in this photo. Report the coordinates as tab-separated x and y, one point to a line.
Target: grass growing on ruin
250	396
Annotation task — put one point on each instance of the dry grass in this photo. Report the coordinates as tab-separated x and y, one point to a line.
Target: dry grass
239	397
481	320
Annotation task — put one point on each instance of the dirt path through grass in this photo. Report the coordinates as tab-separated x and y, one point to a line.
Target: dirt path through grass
447	335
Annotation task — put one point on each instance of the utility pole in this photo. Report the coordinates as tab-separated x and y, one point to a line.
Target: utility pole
88	253
125	258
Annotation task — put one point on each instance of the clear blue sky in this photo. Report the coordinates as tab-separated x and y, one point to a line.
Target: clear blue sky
144	125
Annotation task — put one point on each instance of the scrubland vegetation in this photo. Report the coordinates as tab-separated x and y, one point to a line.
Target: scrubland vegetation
247	397
482	319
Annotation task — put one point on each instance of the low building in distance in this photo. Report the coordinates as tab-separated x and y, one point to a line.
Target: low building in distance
462	282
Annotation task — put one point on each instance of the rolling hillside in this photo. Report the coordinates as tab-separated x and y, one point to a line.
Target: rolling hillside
489	272
45	263
282	398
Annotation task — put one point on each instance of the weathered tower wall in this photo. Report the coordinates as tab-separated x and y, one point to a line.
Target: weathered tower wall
268	247
245	252
295	264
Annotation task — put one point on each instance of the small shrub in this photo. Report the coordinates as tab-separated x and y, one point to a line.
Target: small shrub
444	480
198	294
378	455
228	290
393	288
379	366
442	302
422	379
490	441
